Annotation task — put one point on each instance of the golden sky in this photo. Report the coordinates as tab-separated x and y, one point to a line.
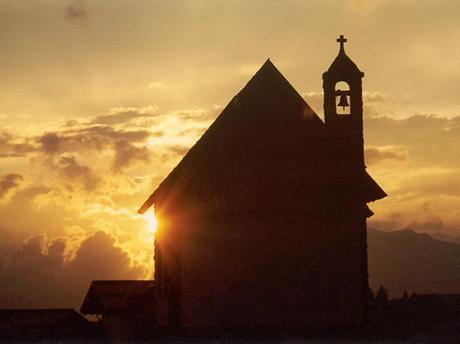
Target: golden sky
100	99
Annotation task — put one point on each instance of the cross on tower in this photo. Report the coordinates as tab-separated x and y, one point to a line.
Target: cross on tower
342	40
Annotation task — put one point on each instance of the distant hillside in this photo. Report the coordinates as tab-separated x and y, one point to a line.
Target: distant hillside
405	260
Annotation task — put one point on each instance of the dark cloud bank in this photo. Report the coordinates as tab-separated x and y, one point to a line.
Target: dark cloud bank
39	274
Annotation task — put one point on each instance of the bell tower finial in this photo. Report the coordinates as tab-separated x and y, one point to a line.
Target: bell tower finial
342	40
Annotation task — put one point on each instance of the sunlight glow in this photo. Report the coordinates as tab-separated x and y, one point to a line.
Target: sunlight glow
151	220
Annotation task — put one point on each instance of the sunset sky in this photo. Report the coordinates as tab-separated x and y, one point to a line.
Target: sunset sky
100	100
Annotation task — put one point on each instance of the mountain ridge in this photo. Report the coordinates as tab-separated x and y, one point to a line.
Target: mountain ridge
404	260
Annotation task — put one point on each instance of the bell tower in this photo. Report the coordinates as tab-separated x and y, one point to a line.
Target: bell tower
343	108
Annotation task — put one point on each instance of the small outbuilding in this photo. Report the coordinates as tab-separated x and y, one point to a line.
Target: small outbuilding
125	308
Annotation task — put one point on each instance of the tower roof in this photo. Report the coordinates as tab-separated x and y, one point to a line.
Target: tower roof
267	150
343	65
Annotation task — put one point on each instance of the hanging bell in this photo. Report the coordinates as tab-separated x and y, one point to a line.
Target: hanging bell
343	102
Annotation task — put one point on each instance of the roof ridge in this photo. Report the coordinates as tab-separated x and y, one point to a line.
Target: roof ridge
269	82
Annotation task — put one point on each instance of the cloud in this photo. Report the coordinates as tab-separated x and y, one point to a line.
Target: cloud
49	273
427	139
109	132
99	256
423	187
375	155
173	152
125	114
179	149
434	183
9	184
157	85
10	147
432	224
126	153
117	118
73	172
374	97
50	143
74	12
247	70
96	138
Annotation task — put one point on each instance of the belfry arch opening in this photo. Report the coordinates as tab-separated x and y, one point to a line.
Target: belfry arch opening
342	98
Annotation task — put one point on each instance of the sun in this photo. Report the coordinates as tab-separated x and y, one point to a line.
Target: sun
152	223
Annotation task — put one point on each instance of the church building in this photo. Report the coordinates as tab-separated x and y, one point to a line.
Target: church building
262	224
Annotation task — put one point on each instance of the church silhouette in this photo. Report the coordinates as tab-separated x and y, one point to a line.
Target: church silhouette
262	224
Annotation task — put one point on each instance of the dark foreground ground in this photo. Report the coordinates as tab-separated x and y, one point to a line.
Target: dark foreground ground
418	319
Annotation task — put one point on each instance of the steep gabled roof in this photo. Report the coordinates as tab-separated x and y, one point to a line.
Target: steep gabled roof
266	150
